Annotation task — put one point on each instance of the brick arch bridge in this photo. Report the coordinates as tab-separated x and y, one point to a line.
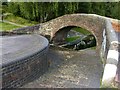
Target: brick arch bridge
107	37
92	23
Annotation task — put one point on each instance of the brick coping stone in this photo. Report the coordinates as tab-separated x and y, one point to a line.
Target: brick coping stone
21	46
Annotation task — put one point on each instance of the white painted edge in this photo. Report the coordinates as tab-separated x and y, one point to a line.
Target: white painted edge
104	32
115	42
109	73
113	54
104	44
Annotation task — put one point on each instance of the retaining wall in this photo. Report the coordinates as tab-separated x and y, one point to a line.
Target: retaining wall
20	71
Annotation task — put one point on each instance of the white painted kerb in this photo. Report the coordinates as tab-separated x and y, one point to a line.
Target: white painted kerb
113	54
110	69
109	73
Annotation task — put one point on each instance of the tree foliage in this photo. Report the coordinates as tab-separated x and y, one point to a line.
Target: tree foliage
14	8
44	11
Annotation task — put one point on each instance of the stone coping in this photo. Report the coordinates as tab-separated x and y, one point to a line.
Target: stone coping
15	48
112	59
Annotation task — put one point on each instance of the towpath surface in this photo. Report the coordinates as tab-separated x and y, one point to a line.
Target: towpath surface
70	69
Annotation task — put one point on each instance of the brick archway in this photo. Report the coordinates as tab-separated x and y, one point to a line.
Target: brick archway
93	24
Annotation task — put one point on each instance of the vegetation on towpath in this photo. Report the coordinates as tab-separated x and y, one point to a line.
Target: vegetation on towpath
12	22
19	20
7	27
79	30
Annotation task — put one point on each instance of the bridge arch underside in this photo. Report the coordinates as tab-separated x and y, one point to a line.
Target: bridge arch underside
73	31
60	35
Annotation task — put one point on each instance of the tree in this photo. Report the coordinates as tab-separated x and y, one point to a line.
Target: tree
14	8
44	11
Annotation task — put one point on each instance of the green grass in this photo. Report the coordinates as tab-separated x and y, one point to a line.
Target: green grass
81	30
93	48
19	20
7	27
15	19
72	38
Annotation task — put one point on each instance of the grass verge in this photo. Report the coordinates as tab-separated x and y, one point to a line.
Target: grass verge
81	30
72	38
19	20
7	27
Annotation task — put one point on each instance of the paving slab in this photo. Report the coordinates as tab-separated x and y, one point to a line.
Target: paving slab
70	69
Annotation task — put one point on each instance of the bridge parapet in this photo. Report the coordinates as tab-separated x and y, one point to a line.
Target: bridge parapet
112	51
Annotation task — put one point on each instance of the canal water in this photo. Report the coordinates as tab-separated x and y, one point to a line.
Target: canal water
70	69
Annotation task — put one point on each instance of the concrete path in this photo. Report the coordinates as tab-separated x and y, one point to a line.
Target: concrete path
70	69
